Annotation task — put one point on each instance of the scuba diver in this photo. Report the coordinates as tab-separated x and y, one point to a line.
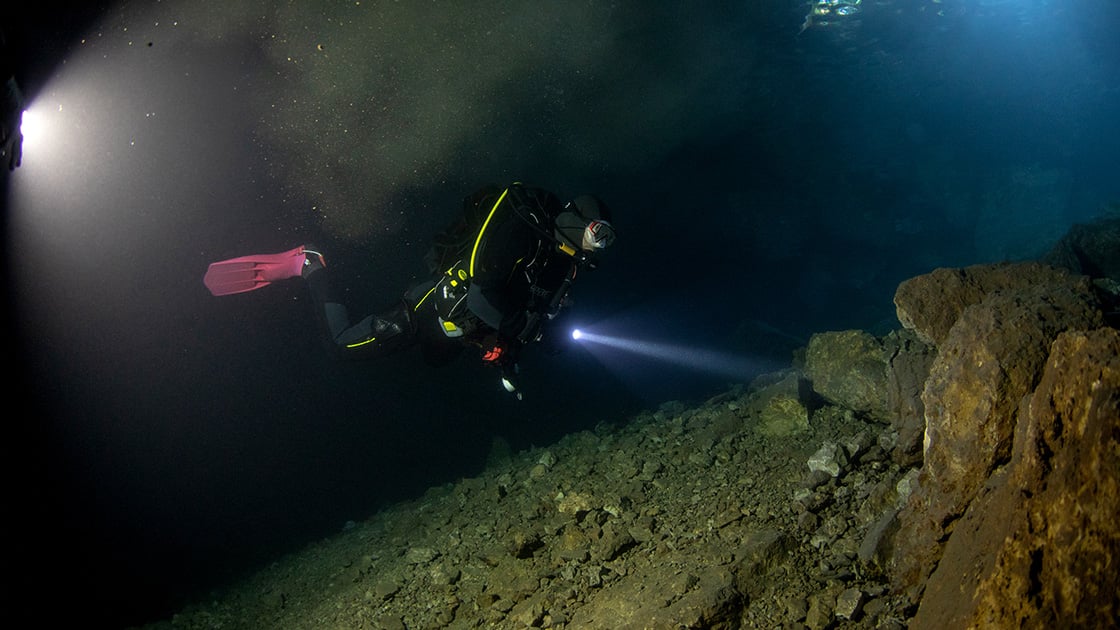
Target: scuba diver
500	272
11	110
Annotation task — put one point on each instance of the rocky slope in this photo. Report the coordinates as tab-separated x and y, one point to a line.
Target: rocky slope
963	471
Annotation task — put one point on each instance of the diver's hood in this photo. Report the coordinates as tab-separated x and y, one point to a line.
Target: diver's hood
577	215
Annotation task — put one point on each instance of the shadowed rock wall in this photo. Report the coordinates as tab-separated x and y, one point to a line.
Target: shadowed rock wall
1021	417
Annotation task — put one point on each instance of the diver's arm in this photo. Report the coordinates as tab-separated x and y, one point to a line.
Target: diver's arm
495	308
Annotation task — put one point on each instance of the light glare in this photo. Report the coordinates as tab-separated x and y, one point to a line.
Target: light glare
31	126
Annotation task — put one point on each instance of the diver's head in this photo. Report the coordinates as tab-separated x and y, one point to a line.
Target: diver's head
585	224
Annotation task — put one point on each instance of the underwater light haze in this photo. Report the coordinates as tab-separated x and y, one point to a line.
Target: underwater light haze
771	172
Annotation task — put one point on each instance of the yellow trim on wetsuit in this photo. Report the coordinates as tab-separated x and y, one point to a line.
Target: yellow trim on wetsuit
477	241
430	291
361	343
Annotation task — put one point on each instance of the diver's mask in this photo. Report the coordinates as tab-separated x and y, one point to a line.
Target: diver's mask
598	235
576	233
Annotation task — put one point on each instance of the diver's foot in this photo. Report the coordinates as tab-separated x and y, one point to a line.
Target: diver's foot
313	260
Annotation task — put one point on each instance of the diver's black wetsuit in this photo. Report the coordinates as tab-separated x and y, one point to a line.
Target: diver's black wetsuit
494	272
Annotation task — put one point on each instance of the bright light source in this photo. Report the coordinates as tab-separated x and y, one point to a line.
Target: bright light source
31	126
577	333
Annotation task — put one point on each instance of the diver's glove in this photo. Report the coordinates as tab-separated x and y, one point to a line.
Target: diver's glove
503	356
493	351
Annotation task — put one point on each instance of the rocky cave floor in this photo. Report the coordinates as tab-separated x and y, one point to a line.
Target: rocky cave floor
963	471
715	516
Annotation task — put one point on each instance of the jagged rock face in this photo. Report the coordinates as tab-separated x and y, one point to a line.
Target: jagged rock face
989	359
1040	546
930	304
909	362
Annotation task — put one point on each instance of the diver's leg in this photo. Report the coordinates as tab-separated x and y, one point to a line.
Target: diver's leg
373	335
381	333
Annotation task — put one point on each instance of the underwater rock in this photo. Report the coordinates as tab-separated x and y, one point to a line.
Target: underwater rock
848	368
819	615
614	543
758	557
849	603
829	458
572	544
386	589
779	406
665	599
389	622
1092	249
782	416
815	478
1041	546
989	361
930	304
547	459
872	548
420	555
797	608
529	612
575	504
443	575
523	544
910	360
857	446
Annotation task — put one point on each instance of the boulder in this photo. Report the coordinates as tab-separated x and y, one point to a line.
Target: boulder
849	368
781	406
1092	249
931	303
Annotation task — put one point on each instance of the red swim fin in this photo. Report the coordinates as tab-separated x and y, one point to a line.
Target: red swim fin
238	275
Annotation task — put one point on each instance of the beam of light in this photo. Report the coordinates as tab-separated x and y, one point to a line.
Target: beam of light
697	359
66	163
